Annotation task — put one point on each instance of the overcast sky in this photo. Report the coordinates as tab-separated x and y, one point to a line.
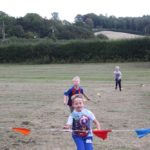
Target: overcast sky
68	9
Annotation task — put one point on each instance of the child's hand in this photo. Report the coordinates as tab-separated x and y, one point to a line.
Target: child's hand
95	129
66	127
65	102
88	99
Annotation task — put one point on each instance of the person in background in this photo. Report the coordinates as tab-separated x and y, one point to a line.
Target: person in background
75	89
117	76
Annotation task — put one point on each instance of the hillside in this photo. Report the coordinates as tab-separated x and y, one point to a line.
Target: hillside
118	35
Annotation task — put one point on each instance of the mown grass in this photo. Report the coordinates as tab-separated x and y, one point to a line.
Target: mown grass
101	72
34	93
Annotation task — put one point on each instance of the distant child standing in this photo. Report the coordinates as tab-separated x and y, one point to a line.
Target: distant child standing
80	120
117	76
75	89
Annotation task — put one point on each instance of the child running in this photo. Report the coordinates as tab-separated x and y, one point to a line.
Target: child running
75	89
80	120
117	76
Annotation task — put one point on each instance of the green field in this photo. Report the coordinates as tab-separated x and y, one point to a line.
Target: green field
132	72
31	96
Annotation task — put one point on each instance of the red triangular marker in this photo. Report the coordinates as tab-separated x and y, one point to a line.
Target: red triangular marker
103	134
23	131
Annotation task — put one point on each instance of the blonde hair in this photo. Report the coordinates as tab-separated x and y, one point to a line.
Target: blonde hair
117	67
76	78
77	96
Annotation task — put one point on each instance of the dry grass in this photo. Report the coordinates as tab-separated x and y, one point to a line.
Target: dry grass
118	35
31	96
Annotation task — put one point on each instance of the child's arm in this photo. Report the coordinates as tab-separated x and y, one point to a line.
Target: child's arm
86	97
69	123
67	126
66	94
120	75
65	100
96	122
114	73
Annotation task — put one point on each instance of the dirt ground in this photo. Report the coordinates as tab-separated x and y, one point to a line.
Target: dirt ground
39	107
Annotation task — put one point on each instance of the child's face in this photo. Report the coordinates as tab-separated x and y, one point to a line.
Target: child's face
78	104
76	82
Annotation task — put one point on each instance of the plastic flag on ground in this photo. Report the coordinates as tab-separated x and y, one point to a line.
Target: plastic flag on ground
142	132
23	131
103	134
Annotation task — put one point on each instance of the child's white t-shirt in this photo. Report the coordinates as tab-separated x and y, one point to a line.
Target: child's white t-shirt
77	116
118	75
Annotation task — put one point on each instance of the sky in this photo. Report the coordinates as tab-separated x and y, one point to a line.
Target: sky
68	9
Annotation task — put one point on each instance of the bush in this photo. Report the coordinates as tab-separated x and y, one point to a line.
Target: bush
75	51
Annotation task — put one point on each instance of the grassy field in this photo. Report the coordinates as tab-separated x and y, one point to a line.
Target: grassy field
118	35
31	96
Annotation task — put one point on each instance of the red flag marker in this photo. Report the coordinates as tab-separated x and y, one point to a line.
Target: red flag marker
23	131
103	134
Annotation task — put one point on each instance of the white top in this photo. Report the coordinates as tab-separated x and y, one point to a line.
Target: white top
78	120
117	74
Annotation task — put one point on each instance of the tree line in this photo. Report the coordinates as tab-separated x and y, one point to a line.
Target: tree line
138	25
33	26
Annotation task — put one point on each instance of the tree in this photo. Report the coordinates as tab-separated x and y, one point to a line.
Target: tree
5	23
16	30
89	23
32	22
55	16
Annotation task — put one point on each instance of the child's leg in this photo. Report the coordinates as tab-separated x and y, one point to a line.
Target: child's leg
79	142
88	143
116	83
119	82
